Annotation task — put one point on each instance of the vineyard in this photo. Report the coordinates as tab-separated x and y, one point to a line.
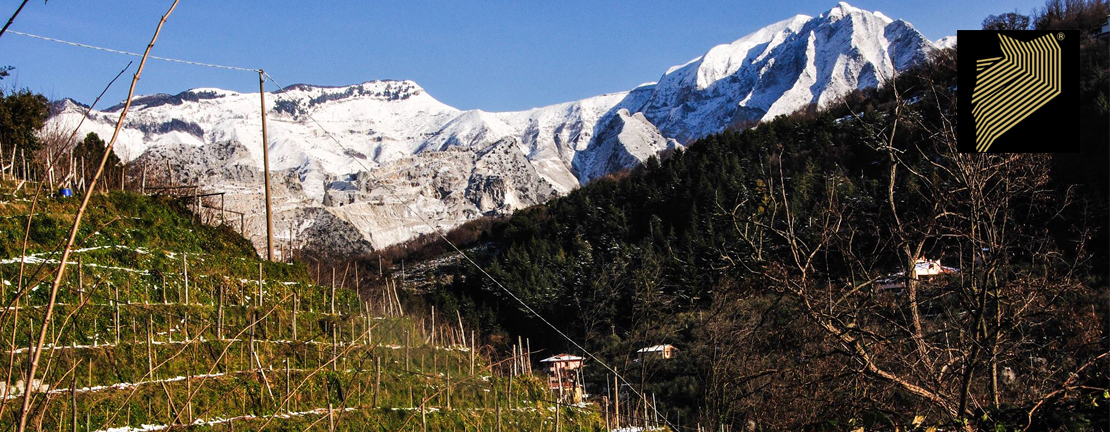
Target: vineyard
163	322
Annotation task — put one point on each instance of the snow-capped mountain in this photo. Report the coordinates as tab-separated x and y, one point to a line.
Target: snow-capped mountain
365	165
946	42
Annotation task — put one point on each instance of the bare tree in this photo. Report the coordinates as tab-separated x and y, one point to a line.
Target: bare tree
995	327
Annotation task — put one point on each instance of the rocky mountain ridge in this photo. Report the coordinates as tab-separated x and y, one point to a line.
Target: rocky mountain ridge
364	166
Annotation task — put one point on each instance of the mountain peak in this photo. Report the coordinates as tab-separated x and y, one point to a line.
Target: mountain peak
843	9
414	138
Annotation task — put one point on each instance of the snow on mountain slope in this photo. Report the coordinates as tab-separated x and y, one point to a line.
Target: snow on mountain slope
624	142
946	42
346	160
781	68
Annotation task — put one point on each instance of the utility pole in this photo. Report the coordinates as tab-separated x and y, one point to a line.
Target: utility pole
266	168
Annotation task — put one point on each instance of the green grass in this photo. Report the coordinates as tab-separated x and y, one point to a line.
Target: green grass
128	279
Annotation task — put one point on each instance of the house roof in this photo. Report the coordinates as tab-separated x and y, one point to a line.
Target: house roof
561	358
655	348
930	267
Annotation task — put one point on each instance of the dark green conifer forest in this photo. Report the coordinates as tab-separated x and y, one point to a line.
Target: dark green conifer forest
766	255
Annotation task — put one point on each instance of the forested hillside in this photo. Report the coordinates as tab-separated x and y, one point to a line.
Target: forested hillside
772	259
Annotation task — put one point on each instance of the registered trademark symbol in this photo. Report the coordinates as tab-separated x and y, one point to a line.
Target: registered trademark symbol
1060	36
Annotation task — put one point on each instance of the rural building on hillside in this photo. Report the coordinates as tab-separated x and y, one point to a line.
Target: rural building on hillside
663	352
923	269
564	376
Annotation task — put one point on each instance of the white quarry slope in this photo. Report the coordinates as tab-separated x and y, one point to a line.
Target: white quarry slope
354	165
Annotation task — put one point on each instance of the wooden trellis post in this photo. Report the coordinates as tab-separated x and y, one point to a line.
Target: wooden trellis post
266	169
150	345
377	379
115	304
220	312
185	274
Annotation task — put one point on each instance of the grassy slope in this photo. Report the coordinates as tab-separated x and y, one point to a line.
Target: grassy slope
132	248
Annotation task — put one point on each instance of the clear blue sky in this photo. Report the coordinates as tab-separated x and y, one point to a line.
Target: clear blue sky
492	55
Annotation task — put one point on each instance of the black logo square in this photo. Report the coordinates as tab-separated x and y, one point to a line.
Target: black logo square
1018	91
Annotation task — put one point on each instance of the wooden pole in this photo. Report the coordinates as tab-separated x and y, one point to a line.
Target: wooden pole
520	350
73	399
616	403
377	379
558	416
150	345
605	409
266	168
220	312
115	304
185	274
423	413
655	412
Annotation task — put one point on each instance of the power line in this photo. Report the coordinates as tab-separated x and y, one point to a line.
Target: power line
439	232
115	51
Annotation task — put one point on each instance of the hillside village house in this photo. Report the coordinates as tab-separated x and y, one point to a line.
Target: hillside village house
662	352
923	269
564	376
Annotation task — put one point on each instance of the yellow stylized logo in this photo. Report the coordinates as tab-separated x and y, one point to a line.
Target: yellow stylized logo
1012	87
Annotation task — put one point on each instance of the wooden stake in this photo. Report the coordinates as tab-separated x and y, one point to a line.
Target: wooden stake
423	412
296	302
73	400
150	345
185	274
266	168
462	332
115	303
377	379
520	360
220	312
331	417
558	416
605	408
617	404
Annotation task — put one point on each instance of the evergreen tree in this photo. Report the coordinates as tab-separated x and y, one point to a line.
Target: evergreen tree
22	114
